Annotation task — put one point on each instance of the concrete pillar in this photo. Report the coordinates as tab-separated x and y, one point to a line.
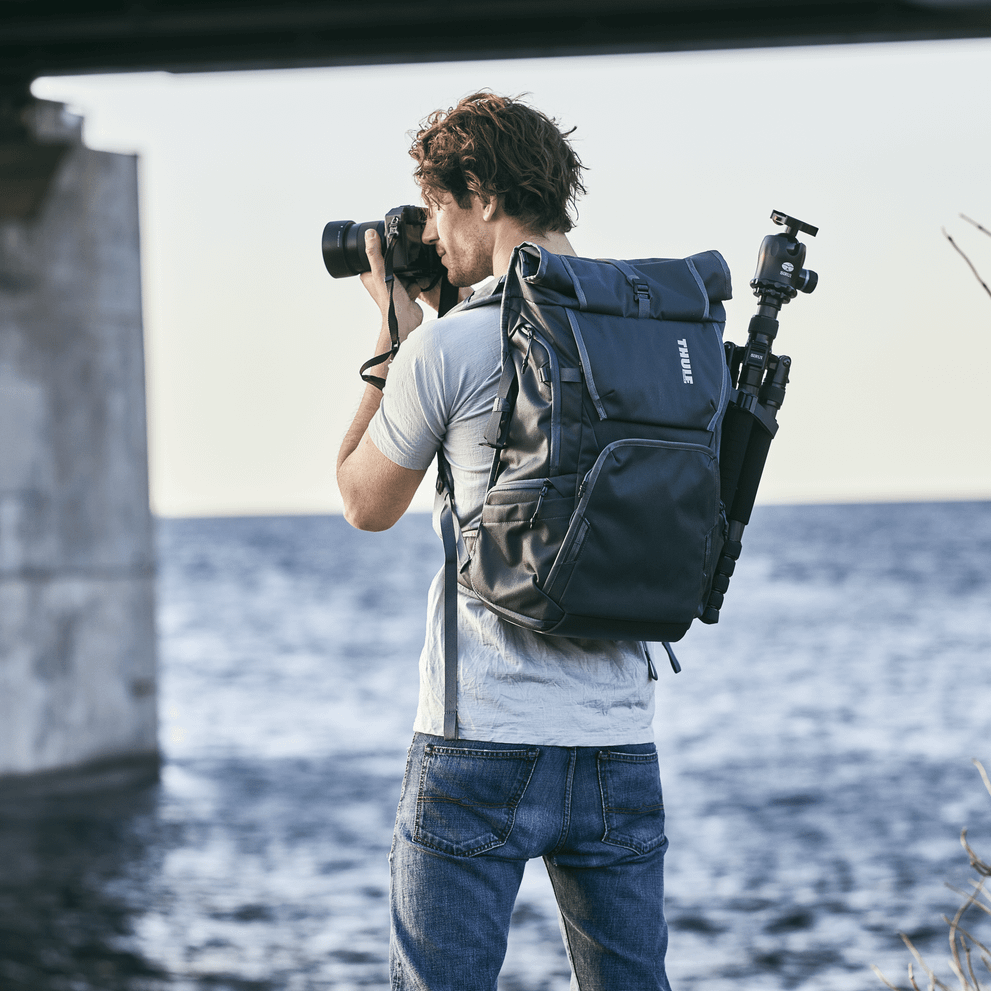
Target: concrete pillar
77	637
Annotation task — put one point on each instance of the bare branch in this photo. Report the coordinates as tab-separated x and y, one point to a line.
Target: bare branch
976	942
978	764
886	982
976	224
963	944
934	981
970	966
967	260
972	899
979	865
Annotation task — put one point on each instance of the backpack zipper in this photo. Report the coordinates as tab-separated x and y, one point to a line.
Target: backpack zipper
528	330
540	499
554	451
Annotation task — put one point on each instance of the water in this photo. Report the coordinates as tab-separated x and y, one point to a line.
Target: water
815	754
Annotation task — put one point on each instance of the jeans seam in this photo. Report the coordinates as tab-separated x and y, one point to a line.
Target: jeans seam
566	934
402	794
568	792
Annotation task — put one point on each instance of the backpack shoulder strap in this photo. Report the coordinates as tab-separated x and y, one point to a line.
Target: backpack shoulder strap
450	531
455	550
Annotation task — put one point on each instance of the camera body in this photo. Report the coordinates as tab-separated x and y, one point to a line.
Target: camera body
402	246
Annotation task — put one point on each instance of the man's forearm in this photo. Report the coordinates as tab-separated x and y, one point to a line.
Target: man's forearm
375	491
370	402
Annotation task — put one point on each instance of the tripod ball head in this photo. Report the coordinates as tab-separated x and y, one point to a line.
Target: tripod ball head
780	273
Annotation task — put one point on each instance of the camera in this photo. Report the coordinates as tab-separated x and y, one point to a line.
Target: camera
403	249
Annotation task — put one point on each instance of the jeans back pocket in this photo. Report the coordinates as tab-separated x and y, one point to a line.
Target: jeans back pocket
632	805
467	798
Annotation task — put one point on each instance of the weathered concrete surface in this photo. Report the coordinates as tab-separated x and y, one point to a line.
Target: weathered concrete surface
77	639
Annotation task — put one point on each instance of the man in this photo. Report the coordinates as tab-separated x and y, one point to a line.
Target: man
555	756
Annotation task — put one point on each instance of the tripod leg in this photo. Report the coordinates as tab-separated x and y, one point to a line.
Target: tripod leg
750	475
737	428
743	453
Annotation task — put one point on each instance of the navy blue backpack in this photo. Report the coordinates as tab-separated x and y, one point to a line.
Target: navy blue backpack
603	516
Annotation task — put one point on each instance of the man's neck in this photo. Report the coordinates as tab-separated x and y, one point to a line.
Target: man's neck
553	241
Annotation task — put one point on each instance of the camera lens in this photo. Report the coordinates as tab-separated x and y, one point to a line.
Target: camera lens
344	246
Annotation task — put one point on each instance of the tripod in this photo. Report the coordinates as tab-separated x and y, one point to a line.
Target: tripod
759	379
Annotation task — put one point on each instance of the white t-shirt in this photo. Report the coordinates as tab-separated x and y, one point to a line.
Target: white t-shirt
514	686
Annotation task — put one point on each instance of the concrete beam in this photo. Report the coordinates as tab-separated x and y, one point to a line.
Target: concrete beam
77	636
34	138
48	38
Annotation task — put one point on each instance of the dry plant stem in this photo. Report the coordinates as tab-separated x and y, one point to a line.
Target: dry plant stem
960	252
976	224
975	761
973	899
971	937
957	943
975	861
961	941
934	981
970	967
884	980
894	987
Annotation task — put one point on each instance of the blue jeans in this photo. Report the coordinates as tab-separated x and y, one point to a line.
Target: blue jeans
472	814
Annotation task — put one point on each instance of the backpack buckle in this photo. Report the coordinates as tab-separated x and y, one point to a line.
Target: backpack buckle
497	429
641	292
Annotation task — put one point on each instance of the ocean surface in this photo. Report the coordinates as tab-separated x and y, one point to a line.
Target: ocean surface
815	752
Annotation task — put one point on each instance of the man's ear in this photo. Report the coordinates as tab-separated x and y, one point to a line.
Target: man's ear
490	207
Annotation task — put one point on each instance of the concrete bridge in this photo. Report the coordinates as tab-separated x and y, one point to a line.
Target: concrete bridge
77	638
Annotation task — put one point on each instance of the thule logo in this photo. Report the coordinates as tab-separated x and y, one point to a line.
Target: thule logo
686	363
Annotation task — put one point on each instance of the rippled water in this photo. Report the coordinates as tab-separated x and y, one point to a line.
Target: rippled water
815	753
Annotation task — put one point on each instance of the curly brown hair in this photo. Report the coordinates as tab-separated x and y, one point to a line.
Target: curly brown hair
492	145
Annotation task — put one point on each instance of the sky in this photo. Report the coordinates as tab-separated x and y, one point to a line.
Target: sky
252	350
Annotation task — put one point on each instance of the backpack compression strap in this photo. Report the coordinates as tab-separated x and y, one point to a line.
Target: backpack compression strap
641	290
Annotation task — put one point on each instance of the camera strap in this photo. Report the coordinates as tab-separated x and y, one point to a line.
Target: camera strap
390	278
448	300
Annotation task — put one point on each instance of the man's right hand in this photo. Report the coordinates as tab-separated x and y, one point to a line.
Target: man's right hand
409	316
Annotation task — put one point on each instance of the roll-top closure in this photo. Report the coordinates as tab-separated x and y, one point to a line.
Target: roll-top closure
678	289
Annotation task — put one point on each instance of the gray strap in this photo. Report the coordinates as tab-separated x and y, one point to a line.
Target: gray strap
450	612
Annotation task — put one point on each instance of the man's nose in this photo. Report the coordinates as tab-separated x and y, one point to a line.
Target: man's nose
430	231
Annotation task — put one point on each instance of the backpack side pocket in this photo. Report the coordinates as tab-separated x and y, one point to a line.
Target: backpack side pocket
641	535
522	525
